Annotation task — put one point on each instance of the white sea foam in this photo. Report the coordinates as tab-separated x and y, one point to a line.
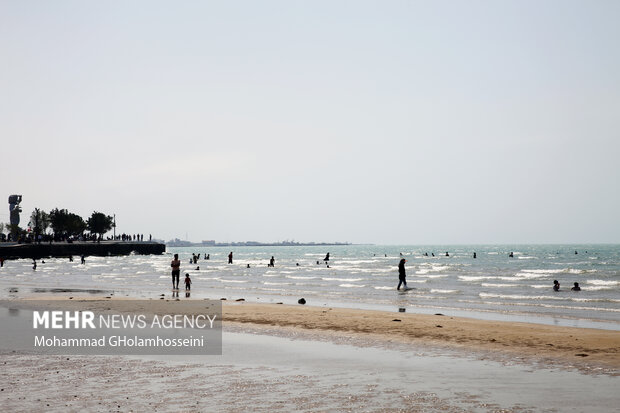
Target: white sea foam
520	297
473	278
377	270
577	271
492	285
351	286
530	276
546	271
603	282
541	286
383	288
355	262
341	279
439	291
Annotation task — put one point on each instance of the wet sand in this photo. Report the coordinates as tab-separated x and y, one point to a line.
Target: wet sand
567	344
301	358
575	346
293	371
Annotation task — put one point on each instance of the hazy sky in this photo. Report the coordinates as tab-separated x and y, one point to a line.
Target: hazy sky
380	122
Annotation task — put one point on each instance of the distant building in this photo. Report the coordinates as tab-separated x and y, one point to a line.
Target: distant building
178	243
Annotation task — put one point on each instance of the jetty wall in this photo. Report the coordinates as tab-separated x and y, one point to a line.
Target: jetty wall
65	249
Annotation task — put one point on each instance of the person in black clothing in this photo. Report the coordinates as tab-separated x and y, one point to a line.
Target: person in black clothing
272	262
326	259
401	274
576	287
176	271
230	257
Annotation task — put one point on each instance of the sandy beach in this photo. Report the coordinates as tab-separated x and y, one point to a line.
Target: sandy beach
304	358
577	346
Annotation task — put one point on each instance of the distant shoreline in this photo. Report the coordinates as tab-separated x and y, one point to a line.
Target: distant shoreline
256	244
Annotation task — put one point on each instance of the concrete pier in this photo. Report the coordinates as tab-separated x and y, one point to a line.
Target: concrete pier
64	249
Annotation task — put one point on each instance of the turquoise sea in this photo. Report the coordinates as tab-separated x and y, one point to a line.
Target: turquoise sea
491	286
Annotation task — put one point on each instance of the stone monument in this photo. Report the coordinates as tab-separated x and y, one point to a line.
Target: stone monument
14	210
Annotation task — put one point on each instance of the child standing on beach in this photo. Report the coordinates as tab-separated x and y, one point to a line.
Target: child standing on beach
188	282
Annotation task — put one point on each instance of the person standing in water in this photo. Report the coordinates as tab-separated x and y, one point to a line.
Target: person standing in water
401	274
326	259
272	262
556	285
176	271
230	258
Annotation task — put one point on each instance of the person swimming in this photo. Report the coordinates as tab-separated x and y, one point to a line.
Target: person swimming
556	285
576	287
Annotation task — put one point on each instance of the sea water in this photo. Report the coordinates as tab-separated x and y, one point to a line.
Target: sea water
492	285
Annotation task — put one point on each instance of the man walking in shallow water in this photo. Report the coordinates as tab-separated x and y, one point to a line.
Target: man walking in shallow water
176	271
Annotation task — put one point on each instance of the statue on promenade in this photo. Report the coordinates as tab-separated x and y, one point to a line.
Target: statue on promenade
14	210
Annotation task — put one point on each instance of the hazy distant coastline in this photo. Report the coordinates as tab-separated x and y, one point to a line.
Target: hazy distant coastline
180	243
